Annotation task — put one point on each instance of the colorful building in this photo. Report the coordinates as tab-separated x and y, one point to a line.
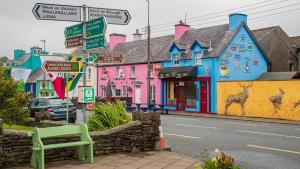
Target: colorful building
201	57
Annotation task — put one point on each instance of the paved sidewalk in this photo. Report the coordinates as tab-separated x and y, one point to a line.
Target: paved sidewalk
148	160
235	117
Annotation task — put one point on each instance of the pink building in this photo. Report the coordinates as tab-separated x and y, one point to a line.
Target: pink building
129	79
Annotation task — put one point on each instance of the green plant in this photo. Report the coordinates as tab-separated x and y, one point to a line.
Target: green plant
16	127
12	102
221	161
108	115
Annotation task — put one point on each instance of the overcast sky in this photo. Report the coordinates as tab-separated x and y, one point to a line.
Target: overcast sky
19	28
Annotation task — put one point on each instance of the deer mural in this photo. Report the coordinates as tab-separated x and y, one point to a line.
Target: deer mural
296	104
277	100
239	98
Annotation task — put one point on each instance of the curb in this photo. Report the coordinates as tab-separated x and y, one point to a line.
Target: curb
237	118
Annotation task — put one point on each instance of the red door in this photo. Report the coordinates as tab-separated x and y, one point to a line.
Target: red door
180	97
203	97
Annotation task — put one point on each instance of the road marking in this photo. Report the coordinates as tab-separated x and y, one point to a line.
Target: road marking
297	128
178	135
180	118
275	149
208	127
246	124
270	134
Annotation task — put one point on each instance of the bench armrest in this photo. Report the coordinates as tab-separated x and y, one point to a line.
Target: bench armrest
30	133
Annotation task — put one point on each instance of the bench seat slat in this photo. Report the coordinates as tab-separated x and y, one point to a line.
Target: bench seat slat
61	145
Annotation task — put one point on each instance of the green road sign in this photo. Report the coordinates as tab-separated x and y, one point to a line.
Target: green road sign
95	42
96	27
75	30
88	95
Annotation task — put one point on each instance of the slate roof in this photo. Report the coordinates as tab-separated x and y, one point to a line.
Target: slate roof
22	59
296	40
279	76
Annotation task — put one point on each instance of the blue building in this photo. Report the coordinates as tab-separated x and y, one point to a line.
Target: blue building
199	58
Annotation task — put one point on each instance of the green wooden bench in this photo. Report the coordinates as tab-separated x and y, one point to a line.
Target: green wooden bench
38	148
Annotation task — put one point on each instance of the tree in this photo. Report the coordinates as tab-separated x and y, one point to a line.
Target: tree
3	60
12	102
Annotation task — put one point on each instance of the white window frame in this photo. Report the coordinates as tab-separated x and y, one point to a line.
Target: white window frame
120	72
125	91
176	59
113	91
132	72
103	90
198	58
152	93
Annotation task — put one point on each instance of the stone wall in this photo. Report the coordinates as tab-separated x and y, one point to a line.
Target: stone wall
140	135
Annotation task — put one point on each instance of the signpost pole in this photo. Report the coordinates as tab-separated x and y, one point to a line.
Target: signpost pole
67	114
84	61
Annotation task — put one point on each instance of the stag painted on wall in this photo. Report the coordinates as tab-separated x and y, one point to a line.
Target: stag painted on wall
239	98
277	101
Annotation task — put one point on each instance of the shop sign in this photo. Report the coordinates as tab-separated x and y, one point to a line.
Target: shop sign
137	82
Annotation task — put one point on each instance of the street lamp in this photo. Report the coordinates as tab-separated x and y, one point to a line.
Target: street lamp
148	56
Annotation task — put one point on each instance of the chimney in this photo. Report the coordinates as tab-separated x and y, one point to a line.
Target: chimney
137	35
236	19
180	29
115	39
18	53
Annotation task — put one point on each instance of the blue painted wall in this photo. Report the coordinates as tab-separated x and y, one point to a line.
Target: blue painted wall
34	62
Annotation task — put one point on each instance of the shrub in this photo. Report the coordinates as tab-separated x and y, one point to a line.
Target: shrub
221	161
108	115
12	102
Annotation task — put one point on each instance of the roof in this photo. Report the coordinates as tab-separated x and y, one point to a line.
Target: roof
279	76
37	75
296	41
22	59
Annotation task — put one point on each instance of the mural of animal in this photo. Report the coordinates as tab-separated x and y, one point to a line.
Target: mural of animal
239	98
296	104
277	100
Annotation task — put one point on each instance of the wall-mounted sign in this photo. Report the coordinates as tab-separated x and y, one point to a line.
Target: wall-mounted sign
137	82
110	58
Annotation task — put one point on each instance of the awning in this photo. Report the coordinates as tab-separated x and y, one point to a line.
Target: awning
178	72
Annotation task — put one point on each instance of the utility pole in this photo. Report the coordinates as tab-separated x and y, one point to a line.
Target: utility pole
148	57
44	78
84	59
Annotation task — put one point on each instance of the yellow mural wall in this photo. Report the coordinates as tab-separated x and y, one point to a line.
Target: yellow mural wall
267	99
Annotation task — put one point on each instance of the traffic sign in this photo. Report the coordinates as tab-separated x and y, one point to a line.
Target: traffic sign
59	66
95	42
86	94
74	42
57	12
110	58
74	30
113	16
96	27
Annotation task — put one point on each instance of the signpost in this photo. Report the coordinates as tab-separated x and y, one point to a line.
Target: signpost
57	12
95	42
113	16
58	66
74	42
96	27
86	95
74	30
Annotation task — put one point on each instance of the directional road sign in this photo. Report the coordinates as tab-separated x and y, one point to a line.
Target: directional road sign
74	42
57	12
96	27
74	30
113	16
59	66
95	42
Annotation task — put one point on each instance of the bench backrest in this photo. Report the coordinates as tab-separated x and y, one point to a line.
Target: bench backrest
60	131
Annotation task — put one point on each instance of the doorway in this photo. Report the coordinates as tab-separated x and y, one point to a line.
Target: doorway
203	96
180	96
137	95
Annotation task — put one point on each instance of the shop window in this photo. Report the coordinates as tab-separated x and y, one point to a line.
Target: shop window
103	91
104	74
171	93
152	93
118	92
198	56
120	72
191	93
132	71
176	59
125	91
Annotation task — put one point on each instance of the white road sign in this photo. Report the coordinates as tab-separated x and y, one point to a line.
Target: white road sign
113	16
57	12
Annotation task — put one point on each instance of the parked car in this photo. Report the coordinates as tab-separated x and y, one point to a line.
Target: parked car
56	107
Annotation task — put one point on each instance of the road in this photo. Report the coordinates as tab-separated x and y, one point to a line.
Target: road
254	145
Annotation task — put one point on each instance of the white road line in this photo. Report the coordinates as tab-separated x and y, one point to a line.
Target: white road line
187	125
270	134
180	118
178	135
275	149
297	128
246	124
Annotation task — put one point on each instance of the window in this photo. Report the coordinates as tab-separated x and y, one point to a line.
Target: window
120	72
151	71
104	74
176	59
191	93
89	74
132	71
103	90
152	93
125	91
113	90
198	56
118	92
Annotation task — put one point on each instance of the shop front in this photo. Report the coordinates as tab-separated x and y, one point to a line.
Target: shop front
184	91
